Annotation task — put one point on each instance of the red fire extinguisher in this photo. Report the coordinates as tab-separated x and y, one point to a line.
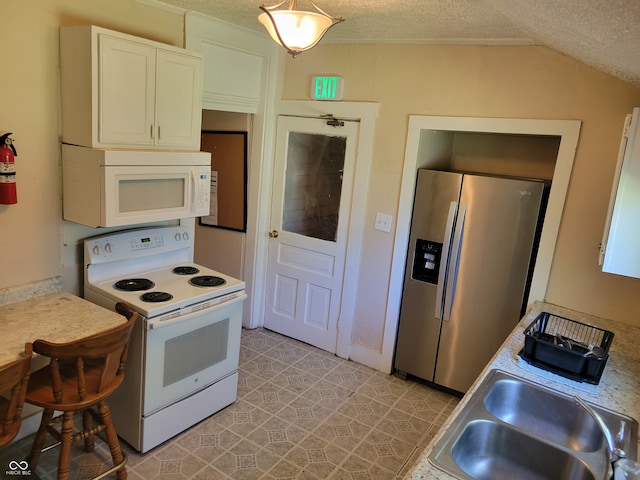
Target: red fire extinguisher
8	195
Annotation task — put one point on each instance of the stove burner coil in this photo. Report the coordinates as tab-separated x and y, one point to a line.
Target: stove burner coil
185	270
207	281
156	297
134	284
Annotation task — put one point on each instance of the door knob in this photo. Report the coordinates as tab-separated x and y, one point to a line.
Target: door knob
273	234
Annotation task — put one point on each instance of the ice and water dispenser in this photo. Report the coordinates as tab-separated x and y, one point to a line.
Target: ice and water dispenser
426	261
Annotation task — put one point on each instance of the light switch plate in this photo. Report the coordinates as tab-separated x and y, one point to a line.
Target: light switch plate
383	222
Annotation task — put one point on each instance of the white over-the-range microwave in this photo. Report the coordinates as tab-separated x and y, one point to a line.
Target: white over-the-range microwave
109	188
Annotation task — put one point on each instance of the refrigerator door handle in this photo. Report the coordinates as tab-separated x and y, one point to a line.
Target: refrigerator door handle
444	260
452	275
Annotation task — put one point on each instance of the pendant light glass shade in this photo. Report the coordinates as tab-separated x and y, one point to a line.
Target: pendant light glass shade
296	30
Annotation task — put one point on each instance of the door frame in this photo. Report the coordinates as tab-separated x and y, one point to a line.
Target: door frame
366	113
567	130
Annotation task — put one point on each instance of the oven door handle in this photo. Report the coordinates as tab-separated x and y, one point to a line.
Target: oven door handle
208	306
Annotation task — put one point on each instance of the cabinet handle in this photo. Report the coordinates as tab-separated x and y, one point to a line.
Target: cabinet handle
151	131
158	132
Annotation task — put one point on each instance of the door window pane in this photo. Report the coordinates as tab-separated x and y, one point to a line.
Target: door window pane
313	184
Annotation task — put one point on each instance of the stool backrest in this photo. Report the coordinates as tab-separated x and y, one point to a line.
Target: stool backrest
14	378
94	364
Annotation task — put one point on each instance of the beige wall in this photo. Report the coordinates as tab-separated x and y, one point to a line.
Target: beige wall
217	248
520	82
475	81
31	232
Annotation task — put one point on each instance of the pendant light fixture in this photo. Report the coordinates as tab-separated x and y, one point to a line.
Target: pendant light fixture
296	30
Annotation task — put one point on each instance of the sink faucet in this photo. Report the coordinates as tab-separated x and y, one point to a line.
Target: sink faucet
614	445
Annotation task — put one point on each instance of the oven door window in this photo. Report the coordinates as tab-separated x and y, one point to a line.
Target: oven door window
191	353
194	352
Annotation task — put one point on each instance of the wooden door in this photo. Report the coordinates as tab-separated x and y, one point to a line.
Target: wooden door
312	193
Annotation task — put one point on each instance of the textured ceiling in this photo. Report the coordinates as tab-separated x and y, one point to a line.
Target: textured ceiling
602	33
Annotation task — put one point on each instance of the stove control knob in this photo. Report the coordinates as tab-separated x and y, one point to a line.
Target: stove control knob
185	236
96	250
177	236
107	248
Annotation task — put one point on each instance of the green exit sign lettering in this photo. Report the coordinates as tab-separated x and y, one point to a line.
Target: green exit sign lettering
327	88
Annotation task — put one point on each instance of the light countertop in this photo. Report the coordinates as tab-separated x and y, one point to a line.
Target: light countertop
49	314
618	390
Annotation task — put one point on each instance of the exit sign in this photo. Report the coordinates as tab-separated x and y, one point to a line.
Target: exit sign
327	88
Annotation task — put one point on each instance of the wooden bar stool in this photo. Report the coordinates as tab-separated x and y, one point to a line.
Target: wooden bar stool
80	375
13	382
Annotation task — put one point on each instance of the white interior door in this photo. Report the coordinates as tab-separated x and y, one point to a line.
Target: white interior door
312	193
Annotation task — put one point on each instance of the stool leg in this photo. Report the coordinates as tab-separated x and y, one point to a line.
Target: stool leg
38	442
65	446
87	427
112	438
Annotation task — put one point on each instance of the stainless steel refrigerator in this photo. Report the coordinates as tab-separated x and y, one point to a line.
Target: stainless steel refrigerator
468	268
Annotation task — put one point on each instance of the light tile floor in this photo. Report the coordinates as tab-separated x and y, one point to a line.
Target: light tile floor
301	413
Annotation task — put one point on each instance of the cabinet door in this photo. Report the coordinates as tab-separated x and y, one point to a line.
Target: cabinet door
622	231
178	100
126	93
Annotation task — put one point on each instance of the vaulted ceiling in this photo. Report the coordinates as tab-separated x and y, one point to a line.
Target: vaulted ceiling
604	34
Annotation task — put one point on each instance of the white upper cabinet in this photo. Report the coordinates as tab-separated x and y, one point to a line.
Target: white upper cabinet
620	251
239	64
124	91
178	99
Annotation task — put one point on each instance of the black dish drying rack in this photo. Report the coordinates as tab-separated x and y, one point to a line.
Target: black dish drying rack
566	347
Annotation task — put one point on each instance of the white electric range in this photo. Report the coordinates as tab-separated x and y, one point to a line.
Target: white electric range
184	352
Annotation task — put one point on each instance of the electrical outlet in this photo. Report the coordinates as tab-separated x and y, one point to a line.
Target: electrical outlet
383	222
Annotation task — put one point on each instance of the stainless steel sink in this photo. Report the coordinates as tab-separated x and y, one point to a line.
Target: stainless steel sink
512	428
489	450
552	417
